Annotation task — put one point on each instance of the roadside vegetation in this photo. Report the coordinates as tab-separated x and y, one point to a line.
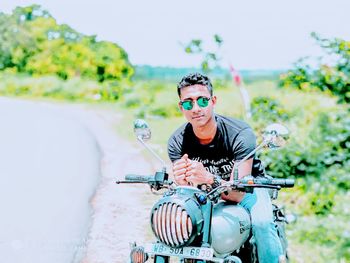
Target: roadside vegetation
40	59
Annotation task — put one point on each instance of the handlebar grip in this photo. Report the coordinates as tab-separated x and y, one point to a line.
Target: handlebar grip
283	182
268	181
138	178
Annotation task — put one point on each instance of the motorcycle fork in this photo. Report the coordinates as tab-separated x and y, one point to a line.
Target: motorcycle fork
207	215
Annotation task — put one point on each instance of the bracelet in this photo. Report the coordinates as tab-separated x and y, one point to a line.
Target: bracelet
217	181
208	187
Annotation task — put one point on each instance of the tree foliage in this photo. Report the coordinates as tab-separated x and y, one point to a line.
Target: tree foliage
326	153
333	78
32	42
210	59
267	110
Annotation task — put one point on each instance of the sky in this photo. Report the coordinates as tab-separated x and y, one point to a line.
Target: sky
257	34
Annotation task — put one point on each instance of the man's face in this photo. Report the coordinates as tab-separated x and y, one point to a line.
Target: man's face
197	116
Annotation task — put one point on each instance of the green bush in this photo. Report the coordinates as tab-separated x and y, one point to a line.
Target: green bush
166	111
326	144
320	160
152	98
53	87
267	110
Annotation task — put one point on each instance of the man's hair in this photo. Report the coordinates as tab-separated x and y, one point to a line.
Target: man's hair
193	79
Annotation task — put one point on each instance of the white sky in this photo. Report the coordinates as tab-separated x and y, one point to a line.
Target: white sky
257	34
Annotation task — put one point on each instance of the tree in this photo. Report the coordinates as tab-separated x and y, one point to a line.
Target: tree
31	41
331	78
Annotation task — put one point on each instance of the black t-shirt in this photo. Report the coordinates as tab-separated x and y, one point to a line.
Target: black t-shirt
233	140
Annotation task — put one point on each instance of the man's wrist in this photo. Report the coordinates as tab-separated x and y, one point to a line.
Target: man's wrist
210	177
212	182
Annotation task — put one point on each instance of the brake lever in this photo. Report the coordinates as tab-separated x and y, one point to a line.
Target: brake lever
247	188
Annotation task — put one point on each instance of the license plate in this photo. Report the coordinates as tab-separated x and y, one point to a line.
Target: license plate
183	252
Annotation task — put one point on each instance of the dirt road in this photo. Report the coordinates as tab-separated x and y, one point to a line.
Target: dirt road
120	212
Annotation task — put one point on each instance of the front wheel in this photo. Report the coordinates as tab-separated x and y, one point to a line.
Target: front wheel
280	223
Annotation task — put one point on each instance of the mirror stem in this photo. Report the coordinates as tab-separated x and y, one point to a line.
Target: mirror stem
154	154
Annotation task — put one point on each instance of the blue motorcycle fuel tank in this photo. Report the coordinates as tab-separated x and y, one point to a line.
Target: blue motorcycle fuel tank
230	228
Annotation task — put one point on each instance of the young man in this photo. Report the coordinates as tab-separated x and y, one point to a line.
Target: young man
204	150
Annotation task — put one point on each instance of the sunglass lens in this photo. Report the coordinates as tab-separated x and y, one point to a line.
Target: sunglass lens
202	102
187	105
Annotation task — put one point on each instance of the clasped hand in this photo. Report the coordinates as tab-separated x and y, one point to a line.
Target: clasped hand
187	171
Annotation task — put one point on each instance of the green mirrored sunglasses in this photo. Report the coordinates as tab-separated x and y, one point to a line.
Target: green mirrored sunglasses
201	101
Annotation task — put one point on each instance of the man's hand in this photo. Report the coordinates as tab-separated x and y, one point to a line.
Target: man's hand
187	171
179	170
197	174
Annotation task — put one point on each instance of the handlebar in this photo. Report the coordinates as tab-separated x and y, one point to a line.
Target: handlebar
157	181
248	183
135	178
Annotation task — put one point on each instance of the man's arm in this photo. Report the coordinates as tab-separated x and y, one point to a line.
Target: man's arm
244	144
243	170
197	174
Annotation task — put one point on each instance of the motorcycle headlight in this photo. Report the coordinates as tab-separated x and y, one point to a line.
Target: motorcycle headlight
177	219
138	255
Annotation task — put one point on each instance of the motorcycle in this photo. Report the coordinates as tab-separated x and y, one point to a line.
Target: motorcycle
193	225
